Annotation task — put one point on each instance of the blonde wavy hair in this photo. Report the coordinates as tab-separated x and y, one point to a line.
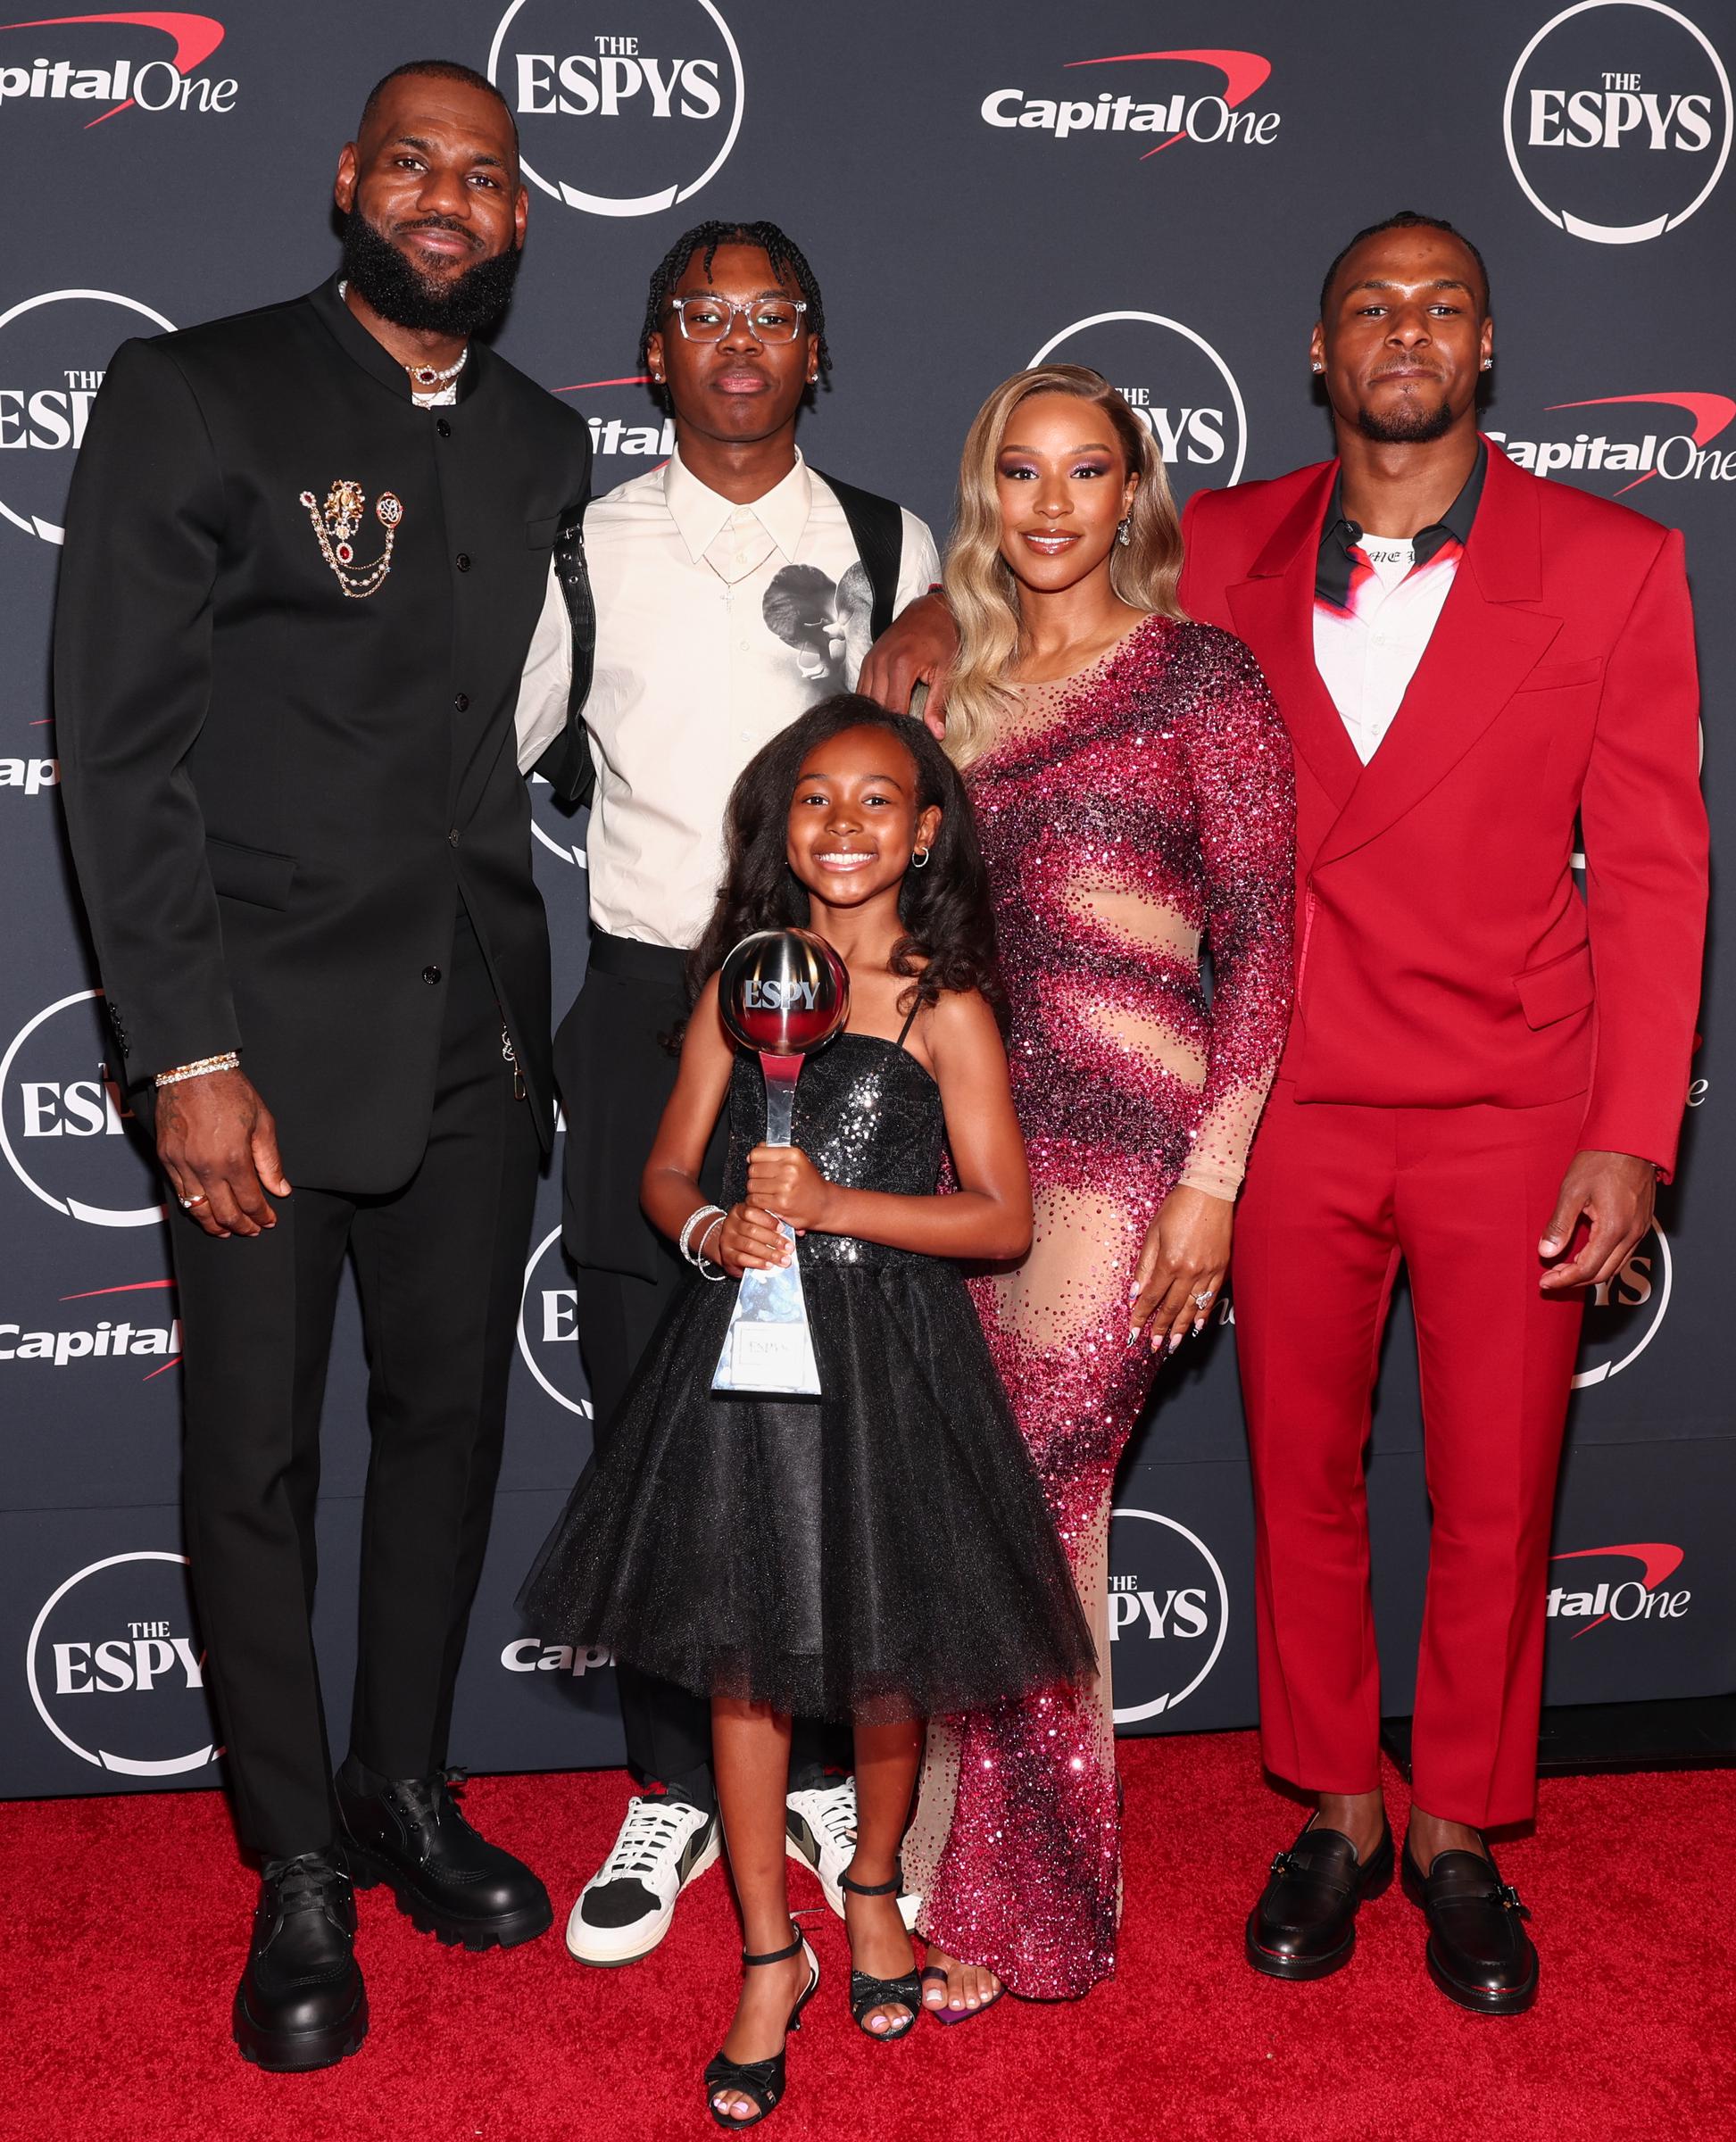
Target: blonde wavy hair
981	588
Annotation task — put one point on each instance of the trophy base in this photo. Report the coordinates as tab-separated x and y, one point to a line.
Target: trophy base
768	1350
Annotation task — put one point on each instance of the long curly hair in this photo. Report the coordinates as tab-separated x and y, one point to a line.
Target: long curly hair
945	907
981	588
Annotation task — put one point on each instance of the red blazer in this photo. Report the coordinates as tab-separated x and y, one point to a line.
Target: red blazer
1444	954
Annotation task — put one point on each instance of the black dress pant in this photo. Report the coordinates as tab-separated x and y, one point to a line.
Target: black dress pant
616	1071
439	1266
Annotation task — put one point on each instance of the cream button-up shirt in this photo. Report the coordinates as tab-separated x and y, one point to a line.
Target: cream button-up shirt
717	626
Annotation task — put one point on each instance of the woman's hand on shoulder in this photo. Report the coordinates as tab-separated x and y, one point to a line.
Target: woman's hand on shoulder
749	1241
1181	1268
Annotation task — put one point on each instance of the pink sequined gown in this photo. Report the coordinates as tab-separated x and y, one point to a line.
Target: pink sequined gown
1127	814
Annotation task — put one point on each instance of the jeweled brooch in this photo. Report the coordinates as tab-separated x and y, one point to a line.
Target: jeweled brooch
335	528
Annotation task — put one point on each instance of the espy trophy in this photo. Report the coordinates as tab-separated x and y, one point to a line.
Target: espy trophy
781	992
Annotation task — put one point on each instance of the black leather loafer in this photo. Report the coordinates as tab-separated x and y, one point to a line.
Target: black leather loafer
1305	1923
409	1833
301	2003
1479	1953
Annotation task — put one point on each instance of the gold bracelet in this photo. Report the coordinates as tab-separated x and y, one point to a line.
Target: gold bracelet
228	1061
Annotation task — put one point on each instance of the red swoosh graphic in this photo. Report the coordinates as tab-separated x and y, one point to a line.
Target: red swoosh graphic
1243	72
585	386
1657	1557
1711	413
135	1286
195	38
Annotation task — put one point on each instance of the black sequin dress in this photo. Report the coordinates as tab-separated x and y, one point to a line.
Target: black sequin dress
883	1551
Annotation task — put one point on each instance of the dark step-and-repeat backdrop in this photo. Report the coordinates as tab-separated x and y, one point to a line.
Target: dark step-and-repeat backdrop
1154	190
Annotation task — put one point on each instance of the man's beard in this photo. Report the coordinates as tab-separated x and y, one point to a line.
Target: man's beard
398	290
1408	424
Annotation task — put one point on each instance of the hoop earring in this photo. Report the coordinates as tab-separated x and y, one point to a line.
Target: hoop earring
920	858
1124	530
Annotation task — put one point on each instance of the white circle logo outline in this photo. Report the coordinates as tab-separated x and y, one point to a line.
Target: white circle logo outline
1160	319
1165	1703
581	1407
647	205
47	530
94	1215
122	1765
1615	234
1607	1369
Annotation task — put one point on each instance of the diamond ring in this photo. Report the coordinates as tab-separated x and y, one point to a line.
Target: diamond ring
1202	1302
188	1203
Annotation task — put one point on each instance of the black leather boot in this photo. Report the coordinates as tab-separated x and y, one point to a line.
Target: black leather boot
301	2003
1305	1923
1479	1953
409	1833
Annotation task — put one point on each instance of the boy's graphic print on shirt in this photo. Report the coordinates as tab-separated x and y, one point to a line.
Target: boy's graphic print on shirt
825	622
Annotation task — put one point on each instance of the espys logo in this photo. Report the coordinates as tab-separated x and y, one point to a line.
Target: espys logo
1617	120
548	1327
53	350
1679	456
90	69
1619	1596
1177	384
63	1117
1185	113
119	1331
1169	1612
622	109
113	1663
1622	1315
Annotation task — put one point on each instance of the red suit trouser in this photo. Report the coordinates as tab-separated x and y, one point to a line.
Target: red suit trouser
1336	1198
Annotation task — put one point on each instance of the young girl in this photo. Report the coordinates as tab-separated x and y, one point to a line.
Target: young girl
883	1553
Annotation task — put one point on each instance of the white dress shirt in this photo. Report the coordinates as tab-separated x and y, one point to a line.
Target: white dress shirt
1367	653
717	625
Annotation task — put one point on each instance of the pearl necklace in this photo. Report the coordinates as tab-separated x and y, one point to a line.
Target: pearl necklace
425	376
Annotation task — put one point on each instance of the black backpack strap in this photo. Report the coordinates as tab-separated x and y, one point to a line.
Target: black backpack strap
876	527
566	765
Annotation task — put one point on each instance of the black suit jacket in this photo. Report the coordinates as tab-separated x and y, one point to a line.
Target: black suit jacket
279	792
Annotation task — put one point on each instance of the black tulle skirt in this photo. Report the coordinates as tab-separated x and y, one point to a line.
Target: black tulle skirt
882	1552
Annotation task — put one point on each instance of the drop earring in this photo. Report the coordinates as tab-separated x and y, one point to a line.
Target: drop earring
1124	530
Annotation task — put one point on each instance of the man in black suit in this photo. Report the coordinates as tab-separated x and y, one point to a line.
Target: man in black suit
306	551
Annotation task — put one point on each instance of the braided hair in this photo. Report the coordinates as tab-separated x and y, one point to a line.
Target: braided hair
781	250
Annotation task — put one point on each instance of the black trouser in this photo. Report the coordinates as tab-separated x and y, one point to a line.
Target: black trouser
439	1266
617	1075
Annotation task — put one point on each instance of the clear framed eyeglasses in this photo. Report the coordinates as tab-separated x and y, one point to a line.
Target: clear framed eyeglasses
709	319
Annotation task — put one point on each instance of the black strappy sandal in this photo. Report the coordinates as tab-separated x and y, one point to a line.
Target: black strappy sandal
866	1992
762	2080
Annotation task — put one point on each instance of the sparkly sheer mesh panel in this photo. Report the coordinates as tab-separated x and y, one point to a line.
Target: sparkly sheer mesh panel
1130	815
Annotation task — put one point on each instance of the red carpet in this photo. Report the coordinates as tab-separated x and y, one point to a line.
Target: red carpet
119	2038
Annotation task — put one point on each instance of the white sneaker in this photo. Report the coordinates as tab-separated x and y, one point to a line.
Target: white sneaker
625	1909
819	1830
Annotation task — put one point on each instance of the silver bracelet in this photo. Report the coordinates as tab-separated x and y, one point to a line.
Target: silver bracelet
694	1219
698	1259
228	1061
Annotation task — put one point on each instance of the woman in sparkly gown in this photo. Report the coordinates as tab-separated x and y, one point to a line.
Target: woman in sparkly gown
1133	790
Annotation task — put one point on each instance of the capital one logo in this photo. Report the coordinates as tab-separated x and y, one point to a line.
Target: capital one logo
548	1327
1196	95
87	64
1650	439
1612	1590
1617	120
623	108
1176	384
115	1670
1622	1315
54	351
1169	1612
63	1117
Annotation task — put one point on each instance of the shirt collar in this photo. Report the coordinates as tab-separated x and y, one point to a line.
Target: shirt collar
701	514
1338	535
374	357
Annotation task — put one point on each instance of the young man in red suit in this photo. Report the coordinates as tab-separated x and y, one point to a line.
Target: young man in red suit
1485	1070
